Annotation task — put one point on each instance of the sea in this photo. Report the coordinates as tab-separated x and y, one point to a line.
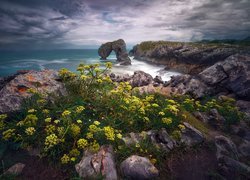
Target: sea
12	61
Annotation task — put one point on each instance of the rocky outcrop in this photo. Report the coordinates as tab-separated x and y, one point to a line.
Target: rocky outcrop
16	90
101	163
119	47
138	79
229	76
137	167
228	157
188	58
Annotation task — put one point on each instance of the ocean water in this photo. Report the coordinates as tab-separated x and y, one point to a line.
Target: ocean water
12	61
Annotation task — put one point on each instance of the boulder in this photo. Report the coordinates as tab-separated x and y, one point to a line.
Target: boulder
191	136
137	167
228	157
119	47
140	78
162	139
100	163
16	169
16	90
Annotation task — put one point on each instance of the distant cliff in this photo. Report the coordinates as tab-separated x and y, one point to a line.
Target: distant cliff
189	58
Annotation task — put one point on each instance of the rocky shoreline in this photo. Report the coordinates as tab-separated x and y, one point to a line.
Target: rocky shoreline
188	58
223	79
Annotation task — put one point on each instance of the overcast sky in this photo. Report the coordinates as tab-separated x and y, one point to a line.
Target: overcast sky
88	23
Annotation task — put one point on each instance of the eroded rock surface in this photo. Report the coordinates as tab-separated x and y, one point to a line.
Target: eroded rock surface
100	163
16	90
189	58
119	47
137	167
231	75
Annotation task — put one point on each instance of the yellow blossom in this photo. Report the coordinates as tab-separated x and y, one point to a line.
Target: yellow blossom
30	131
8	134
108	65
75	130
109	133
181	127
167	121
161	113
74	153
66	113
89	135
65	159
79	109
97	123
51	141
82	143
119	136
56	121
31	111
47	120
79	121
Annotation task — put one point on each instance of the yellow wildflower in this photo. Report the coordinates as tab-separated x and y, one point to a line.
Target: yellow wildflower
30	131
161	113
65	159
89	135
82	143
95	146
108	65
97	123
109	133
51	141
167	121
31	111
74	153
79	109
119	136
75	130
181	126
155	105
66	113
47	120
8	134
79	121
56	121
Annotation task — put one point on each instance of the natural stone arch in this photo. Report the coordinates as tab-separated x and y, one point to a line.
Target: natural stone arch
119	47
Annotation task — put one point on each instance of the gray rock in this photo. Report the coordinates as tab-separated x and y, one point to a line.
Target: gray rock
15	91
140	78
191	136
136	167
225	147
244	149
231	75
100	163
16	169
158	79
119	47
162	139
133	138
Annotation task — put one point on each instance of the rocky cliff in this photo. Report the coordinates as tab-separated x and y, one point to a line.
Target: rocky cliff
188	58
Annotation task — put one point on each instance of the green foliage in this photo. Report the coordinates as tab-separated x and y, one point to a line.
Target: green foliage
97	111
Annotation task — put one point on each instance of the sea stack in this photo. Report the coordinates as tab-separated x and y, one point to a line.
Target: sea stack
119	47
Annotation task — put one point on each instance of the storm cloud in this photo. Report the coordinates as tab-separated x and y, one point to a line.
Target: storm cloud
88	23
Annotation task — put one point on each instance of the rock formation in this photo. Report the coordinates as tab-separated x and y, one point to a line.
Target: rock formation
188	58
16	90
229	76
119	47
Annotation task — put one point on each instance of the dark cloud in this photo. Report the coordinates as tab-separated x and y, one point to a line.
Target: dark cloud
74	23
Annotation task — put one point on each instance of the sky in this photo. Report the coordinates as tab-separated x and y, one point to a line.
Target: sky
89	23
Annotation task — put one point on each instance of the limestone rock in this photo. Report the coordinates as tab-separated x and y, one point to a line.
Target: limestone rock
100	163
228	157
191	136
140	78
137	167
184	57
229	76
119	47
162	139
15	169
15	91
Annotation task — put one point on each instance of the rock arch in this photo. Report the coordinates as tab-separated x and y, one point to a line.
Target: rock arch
119	47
